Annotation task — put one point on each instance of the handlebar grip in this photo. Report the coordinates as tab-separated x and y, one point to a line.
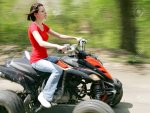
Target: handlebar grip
59	51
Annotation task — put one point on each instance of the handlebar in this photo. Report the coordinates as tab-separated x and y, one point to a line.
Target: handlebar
74	47
82	43
70	48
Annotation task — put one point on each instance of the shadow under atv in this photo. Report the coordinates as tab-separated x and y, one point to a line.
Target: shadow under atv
58	109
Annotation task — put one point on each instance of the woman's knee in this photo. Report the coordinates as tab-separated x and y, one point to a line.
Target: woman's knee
58	72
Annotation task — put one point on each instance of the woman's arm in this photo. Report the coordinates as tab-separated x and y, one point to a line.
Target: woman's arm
43	43
61	35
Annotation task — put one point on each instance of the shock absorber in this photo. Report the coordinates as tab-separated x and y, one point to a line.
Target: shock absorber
97	90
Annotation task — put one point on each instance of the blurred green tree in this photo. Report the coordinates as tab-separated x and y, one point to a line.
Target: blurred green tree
128	31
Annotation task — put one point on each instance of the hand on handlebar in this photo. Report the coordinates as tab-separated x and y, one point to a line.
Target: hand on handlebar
81	40
67	48
61	48
78	39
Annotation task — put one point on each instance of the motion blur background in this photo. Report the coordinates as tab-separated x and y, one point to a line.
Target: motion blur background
110	24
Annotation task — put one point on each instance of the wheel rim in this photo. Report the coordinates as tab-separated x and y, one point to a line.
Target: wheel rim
3	109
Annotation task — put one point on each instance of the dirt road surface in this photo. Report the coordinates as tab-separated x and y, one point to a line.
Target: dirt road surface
136	85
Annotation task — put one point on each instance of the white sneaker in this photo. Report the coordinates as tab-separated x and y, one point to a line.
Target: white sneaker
43	101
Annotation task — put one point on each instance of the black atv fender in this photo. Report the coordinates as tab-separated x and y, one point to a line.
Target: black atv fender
89	74
14	75
76	72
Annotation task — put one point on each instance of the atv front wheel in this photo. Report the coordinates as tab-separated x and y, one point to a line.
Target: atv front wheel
92	106
117	98
119	93
10	102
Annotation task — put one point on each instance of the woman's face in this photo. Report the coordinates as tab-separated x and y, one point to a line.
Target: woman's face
41	13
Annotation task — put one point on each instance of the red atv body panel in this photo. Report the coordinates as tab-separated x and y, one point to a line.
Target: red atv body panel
98	65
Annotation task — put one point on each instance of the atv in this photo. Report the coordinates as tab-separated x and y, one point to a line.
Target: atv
83	76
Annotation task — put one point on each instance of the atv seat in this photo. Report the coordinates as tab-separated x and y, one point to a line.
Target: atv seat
23	65
27	54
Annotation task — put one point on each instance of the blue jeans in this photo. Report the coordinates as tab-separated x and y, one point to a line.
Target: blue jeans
47	65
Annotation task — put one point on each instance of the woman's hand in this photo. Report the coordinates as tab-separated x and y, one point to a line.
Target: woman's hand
78	38
61	48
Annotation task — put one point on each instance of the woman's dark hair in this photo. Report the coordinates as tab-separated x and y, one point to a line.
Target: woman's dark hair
34	9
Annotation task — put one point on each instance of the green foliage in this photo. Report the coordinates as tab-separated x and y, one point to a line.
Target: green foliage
96	20
142	21
13	23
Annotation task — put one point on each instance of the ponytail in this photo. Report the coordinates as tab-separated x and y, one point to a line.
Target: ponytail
34	9
31	17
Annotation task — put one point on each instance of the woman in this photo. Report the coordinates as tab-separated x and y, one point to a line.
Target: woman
38	35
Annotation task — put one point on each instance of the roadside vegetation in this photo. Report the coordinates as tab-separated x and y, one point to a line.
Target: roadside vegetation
99	21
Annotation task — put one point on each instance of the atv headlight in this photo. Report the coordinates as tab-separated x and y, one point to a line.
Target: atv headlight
1	74
94	77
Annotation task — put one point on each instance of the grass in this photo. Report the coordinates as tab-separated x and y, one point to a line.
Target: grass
104	32
131	59
118	55
13	23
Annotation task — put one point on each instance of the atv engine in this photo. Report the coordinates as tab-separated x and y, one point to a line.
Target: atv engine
66	97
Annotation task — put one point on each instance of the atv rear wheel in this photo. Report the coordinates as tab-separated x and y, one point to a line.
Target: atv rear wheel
92	106
10	102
